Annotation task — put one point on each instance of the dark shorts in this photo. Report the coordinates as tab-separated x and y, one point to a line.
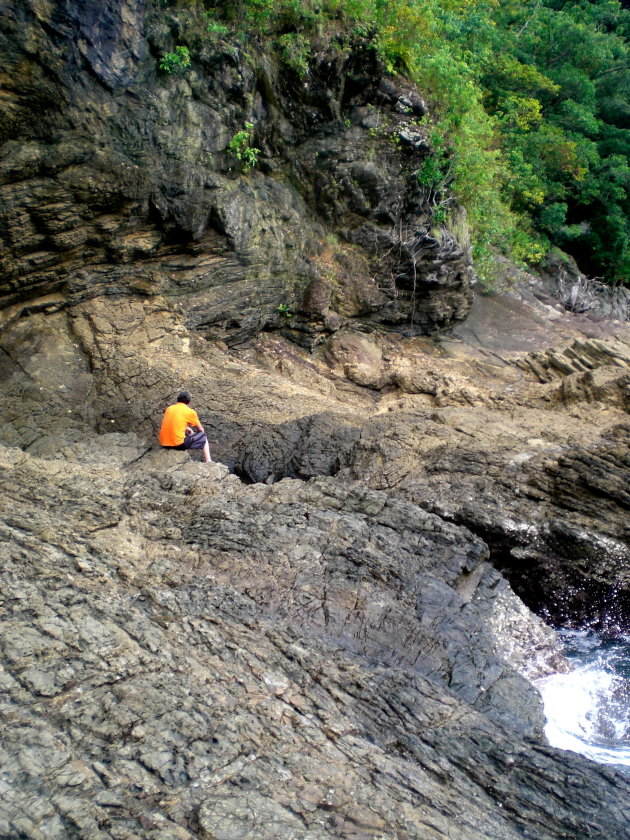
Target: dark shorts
196	440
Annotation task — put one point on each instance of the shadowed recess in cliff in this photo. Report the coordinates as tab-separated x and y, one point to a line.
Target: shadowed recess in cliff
310	446
556	524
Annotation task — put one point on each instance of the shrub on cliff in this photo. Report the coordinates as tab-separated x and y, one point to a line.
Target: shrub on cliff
177	60
240	146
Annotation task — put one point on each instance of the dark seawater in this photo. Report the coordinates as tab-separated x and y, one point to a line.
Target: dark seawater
588	709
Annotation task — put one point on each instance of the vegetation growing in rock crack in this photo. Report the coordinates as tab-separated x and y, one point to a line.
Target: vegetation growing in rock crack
240	146
171	62
214	26
284	310
294	52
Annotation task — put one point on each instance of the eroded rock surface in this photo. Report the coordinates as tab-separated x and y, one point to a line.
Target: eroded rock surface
312	637
363	668
188	655
114	176
185	656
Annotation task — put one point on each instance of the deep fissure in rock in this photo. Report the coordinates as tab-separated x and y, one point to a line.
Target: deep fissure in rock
577	602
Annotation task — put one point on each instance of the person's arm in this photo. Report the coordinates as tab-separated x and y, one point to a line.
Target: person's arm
195	422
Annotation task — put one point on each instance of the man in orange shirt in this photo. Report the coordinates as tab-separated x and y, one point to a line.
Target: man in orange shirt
181	428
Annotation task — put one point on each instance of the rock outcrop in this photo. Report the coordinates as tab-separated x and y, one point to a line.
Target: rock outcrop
315	636
185	656
118	179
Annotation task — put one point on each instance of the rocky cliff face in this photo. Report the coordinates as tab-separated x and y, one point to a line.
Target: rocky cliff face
312	638
109	164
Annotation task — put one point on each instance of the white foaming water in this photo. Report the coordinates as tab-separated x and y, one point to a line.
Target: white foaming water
588	709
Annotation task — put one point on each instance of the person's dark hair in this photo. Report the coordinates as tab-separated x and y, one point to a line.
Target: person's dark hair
183	396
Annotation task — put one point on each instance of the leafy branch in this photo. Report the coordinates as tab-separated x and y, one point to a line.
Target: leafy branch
171	62
240	146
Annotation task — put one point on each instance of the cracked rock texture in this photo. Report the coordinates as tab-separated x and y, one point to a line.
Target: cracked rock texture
186	656
326	633
113	175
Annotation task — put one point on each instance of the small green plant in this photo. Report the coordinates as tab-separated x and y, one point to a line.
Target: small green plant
435	171
215	27
240	146
440	215
285	311
295	50
171	62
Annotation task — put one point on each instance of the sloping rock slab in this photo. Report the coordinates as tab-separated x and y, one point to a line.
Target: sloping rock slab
161	677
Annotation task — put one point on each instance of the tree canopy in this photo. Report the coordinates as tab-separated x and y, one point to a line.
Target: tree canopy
530	103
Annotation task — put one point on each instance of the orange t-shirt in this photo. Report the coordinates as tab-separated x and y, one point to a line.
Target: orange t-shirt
176	418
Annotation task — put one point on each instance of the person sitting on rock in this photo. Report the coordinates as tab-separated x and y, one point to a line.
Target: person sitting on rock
181	428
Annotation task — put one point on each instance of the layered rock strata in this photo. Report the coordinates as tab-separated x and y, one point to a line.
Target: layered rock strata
309	639
152	605
116	178
184	656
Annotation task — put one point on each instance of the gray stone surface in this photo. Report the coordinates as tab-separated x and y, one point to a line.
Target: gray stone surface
224	651
186	656
116	176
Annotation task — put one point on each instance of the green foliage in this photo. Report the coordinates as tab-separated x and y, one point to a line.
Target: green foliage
547	84
529	100
294	52
214	26
240	146
440	215
430	173
285	311
172	62
435	171
553	216
564	170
